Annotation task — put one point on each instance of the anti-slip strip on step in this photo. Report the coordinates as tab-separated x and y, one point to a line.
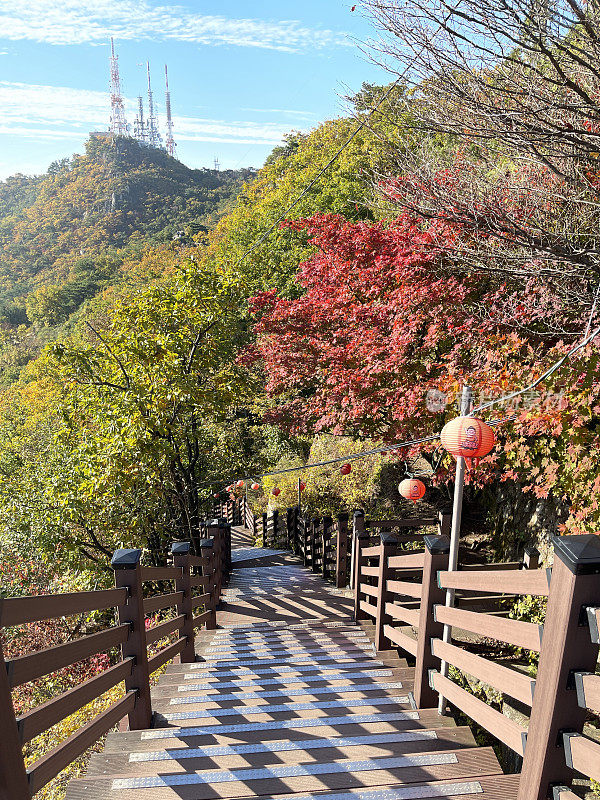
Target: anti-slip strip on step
280	636
213	751
341	676
375	687
272	725
346	622
211	663
227	637
291	771
278	668
326	672
244	711
214	653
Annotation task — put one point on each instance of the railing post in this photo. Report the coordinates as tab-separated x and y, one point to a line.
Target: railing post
436	553
444	523
14	784
327	523
296	530
567	648
313	542
305	541
215	530
207	550
181	559
341	551
289	529
361	538
531	558
388	546
275	519
128	574
358	528
264	522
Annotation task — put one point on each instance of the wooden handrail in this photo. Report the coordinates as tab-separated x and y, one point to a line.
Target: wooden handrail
164	629
508	681
19	610
511	631
35	665
405	588
44	716
409	561
166	654
505	581
160	573
408	615
503	728
588	690
152	604
582	754
49	765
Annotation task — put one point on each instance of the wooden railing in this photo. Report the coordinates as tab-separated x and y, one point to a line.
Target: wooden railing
404	593
194	585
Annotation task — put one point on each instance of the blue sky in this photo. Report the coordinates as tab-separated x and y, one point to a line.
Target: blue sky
241	74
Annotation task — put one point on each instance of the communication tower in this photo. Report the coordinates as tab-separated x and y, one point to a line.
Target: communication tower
154	137
118	122
169	141
139	125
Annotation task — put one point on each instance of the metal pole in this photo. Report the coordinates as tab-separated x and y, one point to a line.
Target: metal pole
459	484
299	496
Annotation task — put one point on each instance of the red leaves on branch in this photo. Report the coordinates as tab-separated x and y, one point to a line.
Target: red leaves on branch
378	320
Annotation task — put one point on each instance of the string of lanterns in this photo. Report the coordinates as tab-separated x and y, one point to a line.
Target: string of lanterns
466	437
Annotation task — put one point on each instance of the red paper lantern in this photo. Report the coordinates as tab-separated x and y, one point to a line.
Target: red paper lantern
302	486
240	485
255	487
276	491
468	437
346	469
412	488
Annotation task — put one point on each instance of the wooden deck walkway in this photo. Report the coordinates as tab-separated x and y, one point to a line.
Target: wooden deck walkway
288	697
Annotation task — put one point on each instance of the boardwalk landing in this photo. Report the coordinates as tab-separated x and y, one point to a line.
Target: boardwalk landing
287	698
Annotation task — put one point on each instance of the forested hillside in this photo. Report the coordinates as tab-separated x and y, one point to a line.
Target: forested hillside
65	235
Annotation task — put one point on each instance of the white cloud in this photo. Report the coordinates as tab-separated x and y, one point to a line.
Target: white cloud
93	21
57	112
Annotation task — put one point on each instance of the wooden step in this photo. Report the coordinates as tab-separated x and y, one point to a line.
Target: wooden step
147	761
338	775
258	682
200	715
259	697
293	730
497	787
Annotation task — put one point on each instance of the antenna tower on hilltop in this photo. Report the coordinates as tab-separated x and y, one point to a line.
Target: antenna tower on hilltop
154	137
118	123
139	125
169	142
217	164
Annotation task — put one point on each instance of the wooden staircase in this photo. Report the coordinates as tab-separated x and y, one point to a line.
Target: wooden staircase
288	697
